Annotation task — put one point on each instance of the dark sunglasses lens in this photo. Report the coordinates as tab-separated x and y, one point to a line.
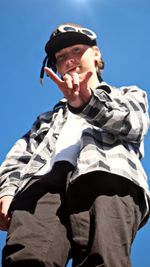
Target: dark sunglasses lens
87	32
69	29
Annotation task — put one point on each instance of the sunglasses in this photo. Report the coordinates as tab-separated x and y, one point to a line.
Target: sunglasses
68	28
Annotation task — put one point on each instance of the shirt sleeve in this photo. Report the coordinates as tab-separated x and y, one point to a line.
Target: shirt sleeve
122	112
19	156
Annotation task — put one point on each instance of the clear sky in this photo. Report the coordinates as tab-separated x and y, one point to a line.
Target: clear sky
25	25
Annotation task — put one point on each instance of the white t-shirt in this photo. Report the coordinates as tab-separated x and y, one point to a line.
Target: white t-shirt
68	143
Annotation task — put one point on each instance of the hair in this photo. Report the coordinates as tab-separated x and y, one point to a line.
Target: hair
99	65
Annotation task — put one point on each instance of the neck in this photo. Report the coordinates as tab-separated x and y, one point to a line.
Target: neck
94	81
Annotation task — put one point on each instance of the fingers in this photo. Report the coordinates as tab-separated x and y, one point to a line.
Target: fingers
75	77
72	82
76	83
68	81
4	223
75	90
65	85
53	76
4	206
87	77
85	91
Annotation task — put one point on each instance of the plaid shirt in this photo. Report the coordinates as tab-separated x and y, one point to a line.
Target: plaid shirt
116	122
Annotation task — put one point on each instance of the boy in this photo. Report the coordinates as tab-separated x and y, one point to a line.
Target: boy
74	186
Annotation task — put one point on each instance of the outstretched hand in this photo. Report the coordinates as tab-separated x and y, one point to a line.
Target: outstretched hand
76	91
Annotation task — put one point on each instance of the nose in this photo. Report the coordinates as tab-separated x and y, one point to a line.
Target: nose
69	61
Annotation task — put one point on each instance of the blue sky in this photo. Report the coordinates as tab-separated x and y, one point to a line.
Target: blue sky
123	37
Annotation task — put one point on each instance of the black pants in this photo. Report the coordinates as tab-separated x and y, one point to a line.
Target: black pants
95	222
38	235
105	212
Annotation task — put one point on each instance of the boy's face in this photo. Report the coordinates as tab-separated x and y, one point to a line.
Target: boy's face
78	58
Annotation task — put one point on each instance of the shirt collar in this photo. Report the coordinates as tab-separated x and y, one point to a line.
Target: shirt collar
104	86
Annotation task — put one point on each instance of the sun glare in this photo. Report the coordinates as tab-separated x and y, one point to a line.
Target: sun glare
79	1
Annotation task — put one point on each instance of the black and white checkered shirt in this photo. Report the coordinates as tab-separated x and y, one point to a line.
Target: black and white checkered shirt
116	122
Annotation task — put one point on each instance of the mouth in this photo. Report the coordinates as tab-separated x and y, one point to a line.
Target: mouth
73	69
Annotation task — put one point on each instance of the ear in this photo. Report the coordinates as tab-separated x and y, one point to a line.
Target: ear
97	53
